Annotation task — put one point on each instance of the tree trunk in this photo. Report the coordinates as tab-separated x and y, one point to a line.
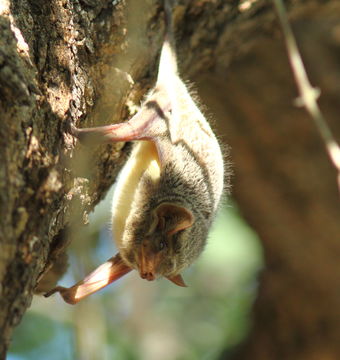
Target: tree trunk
91	61
58	60
286	187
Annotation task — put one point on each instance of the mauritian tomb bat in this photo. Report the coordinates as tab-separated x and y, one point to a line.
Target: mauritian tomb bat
168	192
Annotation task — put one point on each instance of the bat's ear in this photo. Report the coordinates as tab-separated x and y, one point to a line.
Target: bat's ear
179	217
178	280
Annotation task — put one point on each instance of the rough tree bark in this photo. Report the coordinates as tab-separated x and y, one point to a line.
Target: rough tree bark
93	61
59	59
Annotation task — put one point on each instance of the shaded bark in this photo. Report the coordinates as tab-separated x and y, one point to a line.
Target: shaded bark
78	59
286	187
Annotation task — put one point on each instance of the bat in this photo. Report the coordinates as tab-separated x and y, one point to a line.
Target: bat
170	188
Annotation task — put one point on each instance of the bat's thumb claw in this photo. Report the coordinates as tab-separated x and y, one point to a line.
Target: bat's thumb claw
68	294
53	291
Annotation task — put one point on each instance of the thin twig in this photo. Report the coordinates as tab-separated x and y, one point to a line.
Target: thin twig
307	94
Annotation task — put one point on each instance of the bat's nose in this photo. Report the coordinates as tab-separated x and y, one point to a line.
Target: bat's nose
148	262
148	275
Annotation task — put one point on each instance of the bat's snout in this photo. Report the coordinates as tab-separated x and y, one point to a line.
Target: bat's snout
150	276
148	262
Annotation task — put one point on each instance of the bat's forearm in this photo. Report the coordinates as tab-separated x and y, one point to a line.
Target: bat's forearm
143	126
102	134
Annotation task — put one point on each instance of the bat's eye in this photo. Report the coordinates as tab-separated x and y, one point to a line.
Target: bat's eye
161	245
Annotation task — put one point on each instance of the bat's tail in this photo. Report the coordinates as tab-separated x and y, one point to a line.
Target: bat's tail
168	59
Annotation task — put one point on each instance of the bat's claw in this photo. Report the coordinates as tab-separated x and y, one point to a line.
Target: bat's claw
70	128
66	293
54	290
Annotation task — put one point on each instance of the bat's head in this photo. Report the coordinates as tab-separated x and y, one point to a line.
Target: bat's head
164	247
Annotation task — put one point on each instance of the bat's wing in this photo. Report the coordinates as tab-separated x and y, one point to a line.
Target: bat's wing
104	275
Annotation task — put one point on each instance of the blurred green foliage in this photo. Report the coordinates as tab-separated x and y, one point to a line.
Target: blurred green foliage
136	320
